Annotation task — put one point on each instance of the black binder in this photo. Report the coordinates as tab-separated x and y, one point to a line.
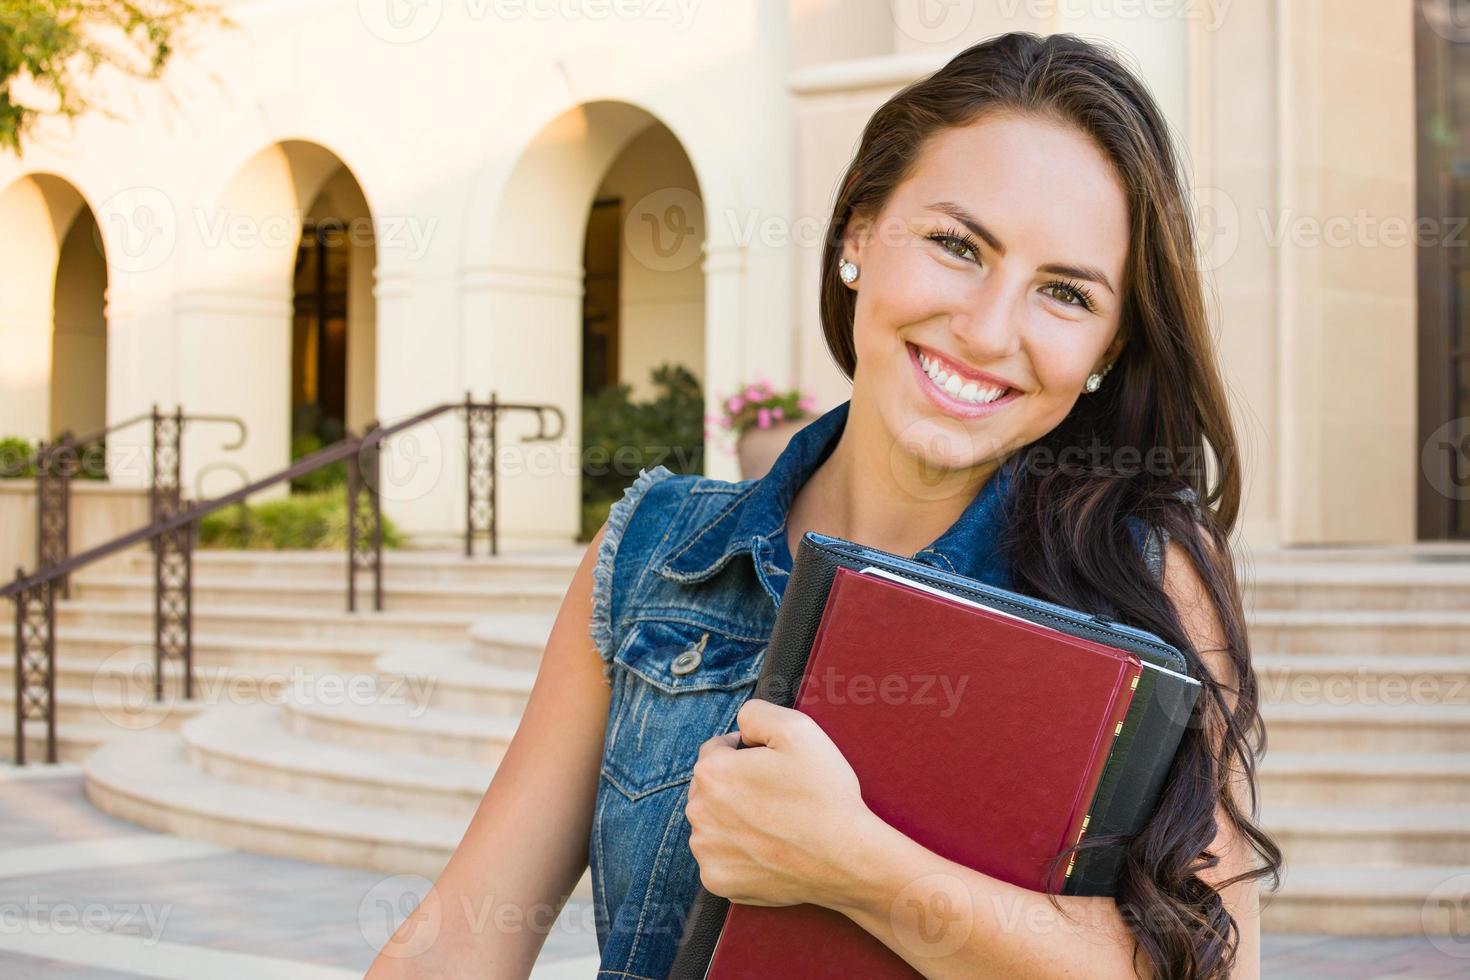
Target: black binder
1137	766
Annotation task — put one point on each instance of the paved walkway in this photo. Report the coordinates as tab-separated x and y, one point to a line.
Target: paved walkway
84	895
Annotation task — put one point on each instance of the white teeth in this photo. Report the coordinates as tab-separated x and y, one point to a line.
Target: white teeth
967	391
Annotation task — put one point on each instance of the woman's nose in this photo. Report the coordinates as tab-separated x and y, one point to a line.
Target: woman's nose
990	321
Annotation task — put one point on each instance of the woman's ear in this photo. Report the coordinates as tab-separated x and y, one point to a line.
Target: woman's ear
855	238
1115	349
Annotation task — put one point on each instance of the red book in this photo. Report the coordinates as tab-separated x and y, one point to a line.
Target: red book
977	733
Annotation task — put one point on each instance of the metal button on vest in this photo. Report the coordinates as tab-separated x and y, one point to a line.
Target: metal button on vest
691	658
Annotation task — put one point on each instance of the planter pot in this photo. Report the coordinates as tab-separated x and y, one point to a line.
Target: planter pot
758	448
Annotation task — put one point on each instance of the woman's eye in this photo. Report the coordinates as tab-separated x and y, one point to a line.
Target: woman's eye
956	246
1069	294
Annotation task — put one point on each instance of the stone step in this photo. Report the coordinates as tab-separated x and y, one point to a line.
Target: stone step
511	641
250	746
74	742
1352	901
1363	779
377	723
400	566
311	594
1376	631
76	643
456	680
131	675
1444	554
147	779
1366	728
1368	837
1357	585
1327	678
103	710
364	625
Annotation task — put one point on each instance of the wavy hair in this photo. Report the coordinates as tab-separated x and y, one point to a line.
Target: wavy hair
1164	405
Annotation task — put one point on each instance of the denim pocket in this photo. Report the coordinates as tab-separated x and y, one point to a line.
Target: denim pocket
678	683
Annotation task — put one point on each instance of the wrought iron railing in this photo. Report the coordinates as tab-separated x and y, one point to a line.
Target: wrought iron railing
171	532
56	465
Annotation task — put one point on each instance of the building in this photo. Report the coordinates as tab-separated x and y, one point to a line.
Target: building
441	186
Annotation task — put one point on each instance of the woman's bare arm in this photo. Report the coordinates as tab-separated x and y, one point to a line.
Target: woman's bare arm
526	846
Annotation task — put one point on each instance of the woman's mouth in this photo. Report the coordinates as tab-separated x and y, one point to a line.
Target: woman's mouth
954	394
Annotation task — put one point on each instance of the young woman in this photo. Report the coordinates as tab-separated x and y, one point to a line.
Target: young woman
1012	231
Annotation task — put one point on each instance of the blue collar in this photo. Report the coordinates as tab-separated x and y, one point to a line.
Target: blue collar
757	511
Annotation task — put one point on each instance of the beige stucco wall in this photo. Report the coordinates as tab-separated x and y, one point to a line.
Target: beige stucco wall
478	135
1291	115
478	141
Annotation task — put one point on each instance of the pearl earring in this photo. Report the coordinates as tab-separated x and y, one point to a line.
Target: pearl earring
847	270
1094	380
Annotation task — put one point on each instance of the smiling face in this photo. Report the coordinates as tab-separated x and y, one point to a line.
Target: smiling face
989	288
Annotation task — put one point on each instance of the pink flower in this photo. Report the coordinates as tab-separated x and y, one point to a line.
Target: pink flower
735	403
763	418
753	394
776	412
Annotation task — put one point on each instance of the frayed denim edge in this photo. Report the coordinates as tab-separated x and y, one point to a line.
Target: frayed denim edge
600	625
1157	541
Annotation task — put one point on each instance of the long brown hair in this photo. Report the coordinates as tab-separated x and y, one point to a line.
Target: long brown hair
1067	538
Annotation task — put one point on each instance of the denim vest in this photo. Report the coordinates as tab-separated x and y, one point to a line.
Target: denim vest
687	583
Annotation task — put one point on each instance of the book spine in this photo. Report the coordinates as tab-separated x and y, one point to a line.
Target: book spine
1150	757
1117	730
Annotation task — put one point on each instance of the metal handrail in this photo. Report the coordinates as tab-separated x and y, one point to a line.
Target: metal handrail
171	534
54	475
44	448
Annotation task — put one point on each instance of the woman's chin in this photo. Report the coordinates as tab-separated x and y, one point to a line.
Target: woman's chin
942	442
933	458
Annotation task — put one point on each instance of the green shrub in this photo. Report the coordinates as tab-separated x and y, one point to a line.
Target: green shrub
15	455
304	520
329	476
88	463
621	436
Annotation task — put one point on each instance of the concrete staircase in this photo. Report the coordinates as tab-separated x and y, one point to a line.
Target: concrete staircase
368	739
361	739
1363	656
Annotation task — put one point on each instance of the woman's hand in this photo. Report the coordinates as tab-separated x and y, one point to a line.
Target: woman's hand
775	823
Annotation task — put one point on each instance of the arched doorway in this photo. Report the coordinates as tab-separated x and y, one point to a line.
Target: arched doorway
593	275
276	312
53	324
332	336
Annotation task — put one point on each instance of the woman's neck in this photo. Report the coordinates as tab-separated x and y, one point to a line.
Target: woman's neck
870	491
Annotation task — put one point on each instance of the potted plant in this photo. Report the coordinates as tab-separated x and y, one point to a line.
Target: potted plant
762	420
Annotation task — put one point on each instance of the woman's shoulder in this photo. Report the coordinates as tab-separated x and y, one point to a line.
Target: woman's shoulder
1154	538
660	489
656	511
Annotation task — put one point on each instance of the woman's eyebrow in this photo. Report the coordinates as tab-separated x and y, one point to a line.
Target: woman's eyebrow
958	213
